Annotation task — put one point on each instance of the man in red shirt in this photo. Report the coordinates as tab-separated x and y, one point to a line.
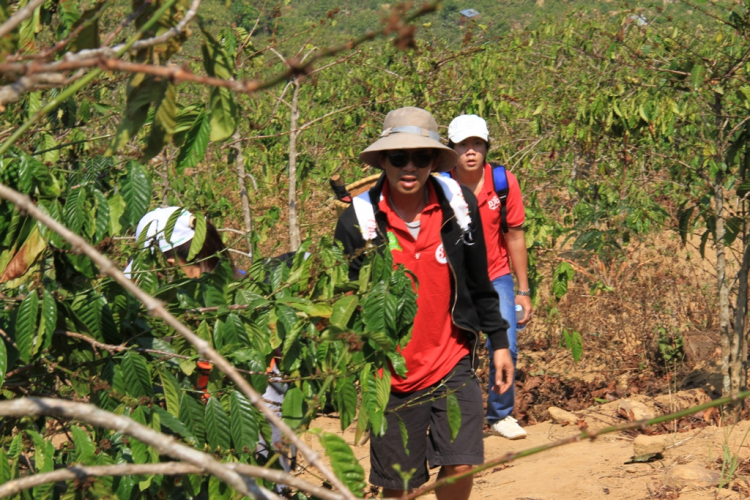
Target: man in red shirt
469	137
432	226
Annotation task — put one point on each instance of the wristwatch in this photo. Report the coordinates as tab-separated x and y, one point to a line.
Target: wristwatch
524	293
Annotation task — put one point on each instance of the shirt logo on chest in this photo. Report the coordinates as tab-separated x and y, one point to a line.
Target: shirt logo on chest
440	254
494	203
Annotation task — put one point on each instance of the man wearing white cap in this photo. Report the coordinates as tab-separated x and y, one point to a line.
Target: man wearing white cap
501	207
432	227
176	248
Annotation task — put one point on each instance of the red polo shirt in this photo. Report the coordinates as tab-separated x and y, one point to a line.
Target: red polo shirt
436	344
489	209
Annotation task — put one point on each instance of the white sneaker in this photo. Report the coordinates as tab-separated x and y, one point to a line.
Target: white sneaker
508	428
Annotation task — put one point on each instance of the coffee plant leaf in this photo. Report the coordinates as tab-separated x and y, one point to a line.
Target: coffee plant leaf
217	425
292	409
343	462
26	326
244	426
454	414
165	118
172	392
343	309
346	397
199	237
136	375
85	448
136	190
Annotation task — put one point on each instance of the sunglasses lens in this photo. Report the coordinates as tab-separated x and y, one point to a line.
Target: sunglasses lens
398	159
421	159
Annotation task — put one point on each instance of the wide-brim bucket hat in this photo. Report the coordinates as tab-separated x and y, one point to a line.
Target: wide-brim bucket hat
410	128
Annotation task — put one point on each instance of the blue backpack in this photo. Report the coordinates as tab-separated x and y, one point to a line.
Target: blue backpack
500	186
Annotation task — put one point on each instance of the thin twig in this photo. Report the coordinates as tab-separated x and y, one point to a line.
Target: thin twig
82	472
165	445
156	308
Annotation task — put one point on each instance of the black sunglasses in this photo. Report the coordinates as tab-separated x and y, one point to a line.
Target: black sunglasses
421	158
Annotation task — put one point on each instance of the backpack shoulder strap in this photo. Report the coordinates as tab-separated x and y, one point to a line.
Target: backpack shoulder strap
500	185
368	226
452	191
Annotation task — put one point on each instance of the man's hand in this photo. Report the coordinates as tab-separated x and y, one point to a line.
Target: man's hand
503	370
528	309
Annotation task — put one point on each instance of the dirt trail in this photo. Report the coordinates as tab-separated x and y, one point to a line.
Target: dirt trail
591	470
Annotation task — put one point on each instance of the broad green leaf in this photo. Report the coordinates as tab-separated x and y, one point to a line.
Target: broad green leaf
343	310
171	221
218	489
222	106
51	155
217	425
136	190
454	414
48	319
75	210
172	392
136	375
347	402
192	415
343	462
196	143
141	91
26	325
405	433
139	449
88	36
164	122
85	448
244	426
4	467
292	408
117	206
200	236
173	424
102	215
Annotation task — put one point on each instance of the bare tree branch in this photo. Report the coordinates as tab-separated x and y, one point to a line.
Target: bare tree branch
82	472
165	445
19	16
156	308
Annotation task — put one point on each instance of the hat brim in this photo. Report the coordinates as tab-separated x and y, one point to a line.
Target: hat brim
446	160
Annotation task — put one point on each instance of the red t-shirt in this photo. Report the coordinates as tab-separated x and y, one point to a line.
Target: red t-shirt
489	209
436	344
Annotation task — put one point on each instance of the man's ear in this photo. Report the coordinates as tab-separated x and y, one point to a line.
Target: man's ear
170	260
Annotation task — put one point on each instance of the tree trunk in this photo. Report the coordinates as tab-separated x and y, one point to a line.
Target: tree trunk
294	237
721	270
247	215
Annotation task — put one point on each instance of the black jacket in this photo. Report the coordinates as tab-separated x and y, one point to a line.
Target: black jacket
475	305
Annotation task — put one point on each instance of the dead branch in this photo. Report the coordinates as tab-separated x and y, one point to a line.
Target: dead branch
165	445
156	308
83	472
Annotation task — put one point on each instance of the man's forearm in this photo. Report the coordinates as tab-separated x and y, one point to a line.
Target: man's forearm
516	241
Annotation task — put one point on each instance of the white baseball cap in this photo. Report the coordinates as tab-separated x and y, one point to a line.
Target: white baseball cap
465	126
155	223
